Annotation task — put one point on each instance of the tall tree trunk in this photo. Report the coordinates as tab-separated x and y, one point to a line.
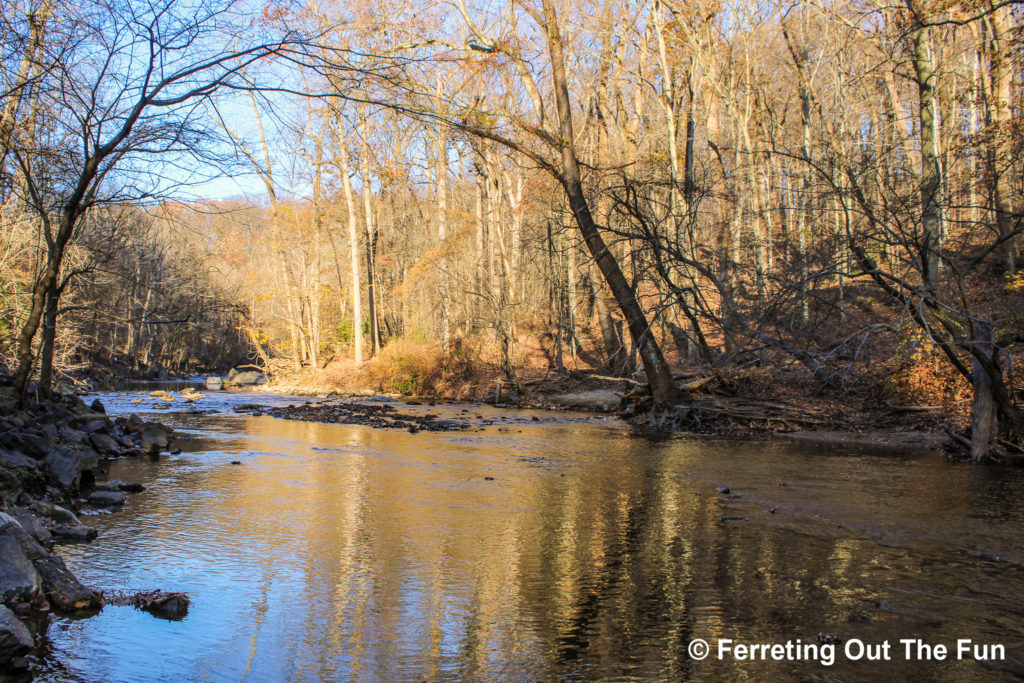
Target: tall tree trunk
659	375
353	240
371	244
931	171
441	183
999	43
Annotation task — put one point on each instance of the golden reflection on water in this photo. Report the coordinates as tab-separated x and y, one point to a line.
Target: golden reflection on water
551	551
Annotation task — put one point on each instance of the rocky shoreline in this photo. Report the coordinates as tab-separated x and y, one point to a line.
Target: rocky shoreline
52	455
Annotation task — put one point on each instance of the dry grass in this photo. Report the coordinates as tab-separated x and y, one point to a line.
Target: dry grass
413	368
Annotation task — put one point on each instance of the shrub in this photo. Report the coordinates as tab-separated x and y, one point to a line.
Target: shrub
414	368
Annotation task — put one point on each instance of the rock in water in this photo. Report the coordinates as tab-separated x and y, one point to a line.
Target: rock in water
98	407
154	438
134	424
107	499
62	589
172	605
15	640
246	378
214	383
104	444
74	533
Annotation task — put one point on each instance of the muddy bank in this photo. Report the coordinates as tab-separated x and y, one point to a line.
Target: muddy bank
53	456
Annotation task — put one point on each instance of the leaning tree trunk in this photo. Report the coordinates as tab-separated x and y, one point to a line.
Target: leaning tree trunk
659	375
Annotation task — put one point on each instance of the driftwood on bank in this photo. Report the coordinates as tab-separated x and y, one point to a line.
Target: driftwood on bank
700	410
710	414
170	605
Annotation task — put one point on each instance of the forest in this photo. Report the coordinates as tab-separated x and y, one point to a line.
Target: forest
818	197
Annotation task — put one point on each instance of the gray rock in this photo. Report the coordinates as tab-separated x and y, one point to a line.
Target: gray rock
55	512
134	424
246	378
25	442
214	383
62	589
107	499
15	640
74	533
97	407
10	486
16	459
154	438
95	426
450	425
32	525
104	444
66	465
72	435
19	580
112	485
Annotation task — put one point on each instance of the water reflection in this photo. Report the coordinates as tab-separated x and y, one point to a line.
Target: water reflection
567	551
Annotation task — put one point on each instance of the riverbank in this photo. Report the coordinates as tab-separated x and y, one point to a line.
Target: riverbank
53	455
725	403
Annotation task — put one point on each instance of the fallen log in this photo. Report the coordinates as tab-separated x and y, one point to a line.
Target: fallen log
172	605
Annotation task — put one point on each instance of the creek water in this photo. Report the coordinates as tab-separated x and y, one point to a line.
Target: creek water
567	547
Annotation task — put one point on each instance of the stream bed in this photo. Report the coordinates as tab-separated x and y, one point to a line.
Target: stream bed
538	546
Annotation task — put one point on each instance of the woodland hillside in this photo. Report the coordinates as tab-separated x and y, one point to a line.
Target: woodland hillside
821	193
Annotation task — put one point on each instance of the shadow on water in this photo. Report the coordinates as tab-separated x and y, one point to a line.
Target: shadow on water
557	550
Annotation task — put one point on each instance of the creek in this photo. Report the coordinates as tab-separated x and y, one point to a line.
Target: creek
562	547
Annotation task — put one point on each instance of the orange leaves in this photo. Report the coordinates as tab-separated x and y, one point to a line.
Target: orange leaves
274	12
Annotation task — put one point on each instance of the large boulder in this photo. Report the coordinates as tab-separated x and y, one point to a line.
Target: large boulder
67	465
27	565
154	438
15	640
19	580
245	378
